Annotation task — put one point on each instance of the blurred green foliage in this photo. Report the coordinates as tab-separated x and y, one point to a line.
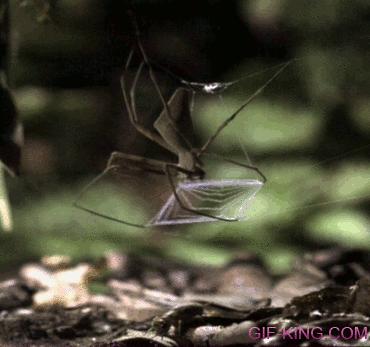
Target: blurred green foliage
309	134
264	127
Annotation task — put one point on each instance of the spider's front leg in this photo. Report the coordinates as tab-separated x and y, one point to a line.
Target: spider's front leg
129	162
122	163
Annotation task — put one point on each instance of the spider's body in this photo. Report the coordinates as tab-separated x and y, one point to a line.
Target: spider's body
178	132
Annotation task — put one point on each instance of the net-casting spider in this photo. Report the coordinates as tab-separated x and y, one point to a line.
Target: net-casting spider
172	131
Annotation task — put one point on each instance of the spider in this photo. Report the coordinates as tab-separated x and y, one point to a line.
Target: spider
173	132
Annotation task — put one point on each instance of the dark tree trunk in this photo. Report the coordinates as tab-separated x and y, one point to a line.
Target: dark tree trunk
10	128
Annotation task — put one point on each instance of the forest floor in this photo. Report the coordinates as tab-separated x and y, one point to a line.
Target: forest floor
126	300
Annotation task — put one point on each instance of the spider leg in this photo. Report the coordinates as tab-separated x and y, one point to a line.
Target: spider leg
129	58
136	163
151	135
117	162
133	91
95	213
180	109
225	123
166	108
238	163
168	168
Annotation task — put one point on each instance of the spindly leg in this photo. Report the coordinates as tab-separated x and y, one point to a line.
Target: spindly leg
131	110
133	92
122	162
95	213
136	163
170	167
166	109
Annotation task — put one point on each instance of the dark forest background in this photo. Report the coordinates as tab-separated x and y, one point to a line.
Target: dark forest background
309	132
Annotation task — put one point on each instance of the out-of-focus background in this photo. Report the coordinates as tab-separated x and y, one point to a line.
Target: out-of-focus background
309	132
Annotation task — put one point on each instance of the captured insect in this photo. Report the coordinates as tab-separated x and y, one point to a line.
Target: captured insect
192	197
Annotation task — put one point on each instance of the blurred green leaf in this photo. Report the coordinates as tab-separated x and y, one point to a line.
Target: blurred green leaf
330	73
58	227
32	101
349	227
324	73
350	181
361	115
191	252
280	259
262	127
321	17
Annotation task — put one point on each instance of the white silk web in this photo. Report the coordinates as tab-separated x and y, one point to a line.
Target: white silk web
227	199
